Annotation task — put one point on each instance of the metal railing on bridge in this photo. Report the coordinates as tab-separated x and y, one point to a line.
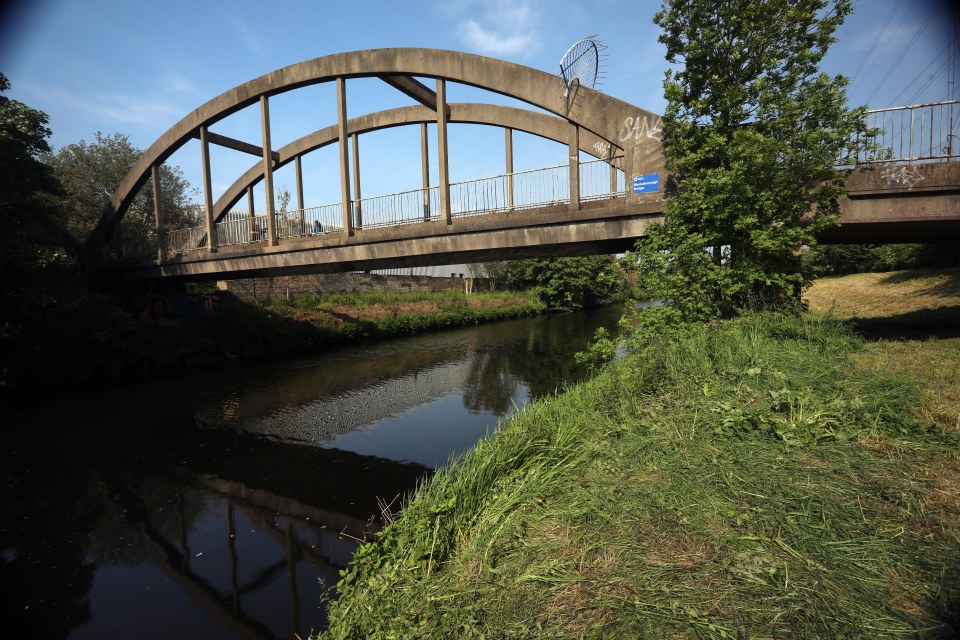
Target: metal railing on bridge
916	133
550	186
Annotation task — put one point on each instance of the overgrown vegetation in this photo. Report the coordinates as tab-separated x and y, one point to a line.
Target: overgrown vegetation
746	478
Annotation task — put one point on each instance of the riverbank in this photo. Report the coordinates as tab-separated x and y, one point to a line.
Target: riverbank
91	340
769	476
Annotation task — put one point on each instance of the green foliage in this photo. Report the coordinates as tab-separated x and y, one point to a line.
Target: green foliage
570	283
825	260
91	172
752	133
599	352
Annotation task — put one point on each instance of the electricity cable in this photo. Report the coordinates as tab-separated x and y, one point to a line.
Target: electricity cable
883	46
906	50
919	76
876	40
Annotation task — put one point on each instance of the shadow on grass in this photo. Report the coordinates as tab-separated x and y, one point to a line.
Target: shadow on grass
942	323
948	284
946	602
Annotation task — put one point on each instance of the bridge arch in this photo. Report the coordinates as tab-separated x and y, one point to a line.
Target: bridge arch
532	122
608	118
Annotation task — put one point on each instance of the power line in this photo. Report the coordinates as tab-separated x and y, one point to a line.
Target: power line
906	50
919	76
930	81
883	46
873	45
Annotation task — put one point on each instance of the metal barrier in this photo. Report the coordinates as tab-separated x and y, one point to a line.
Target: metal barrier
596	181
184	240
406	207
530	189
917	133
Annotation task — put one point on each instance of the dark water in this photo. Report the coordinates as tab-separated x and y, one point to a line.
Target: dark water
223	505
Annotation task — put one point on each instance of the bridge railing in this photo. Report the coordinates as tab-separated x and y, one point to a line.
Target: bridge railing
533	188
915	133
184	240
312	221
596	181
406	207
599	179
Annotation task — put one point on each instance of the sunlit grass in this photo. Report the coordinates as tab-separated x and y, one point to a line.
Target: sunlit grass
745	481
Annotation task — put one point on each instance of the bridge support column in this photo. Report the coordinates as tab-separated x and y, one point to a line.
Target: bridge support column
425	170
508	145
442	151
357	213
613	171
574	166
298	165
268	171
251	213
157	212
207	190
344	155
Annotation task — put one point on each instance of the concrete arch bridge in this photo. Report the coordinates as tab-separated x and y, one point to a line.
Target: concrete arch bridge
582	207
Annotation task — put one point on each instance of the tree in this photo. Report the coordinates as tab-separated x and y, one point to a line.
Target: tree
34	250
91	172
752	132
570	283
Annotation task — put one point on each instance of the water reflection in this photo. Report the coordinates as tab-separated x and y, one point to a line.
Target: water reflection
222	505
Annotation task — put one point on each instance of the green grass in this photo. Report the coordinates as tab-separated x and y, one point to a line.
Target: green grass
748	479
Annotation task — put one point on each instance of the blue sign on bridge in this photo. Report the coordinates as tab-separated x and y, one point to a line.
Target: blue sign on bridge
646	183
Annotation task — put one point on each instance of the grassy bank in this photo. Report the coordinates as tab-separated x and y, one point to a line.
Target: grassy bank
89	339
765	477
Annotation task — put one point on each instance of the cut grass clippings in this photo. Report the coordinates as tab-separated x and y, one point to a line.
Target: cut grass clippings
763	477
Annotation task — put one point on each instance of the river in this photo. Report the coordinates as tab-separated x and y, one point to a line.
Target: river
223	504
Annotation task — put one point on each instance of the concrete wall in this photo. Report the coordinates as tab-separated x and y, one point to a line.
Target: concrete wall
263	290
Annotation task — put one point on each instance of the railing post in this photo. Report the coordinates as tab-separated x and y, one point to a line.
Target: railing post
445	214
574	166
298	165
207	190
425	170
358	214
910	161
344	155
268	171
157	212
508	144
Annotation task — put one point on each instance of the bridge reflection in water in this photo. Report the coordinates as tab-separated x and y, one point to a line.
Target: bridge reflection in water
207	506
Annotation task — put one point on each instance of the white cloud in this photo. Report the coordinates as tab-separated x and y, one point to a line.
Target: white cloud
117	107
246	36
503	29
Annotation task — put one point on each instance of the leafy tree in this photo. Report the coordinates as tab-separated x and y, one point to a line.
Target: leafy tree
570	283
752	130
91	172
34	250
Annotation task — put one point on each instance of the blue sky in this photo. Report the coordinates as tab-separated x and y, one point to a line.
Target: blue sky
137	67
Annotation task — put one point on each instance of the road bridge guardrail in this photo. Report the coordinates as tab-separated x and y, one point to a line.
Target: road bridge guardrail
915	133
